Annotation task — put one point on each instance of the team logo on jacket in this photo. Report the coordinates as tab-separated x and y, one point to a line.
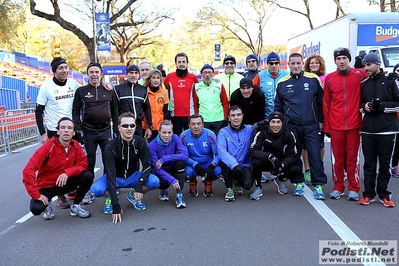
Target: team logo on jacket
89	95
289	88
205	144
306	86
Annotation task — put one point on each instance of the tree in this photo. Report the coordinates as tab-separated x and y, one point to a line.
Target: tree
129	27
12	15
386	6
242	20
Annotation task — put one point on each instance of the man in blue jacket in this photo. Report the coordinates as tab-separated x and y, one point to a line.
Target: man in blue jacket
233	145
203	157
299	97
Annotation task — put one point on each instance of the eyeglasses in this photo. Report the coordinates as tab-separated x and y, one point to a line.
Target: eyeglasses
273	63
128	125
229	63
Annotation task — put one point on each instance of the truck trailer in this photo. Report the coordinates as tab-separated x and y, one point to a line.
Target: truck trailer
362	33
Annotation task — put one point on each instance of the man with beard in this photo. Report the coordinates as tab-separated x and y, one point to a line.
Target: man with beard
180	85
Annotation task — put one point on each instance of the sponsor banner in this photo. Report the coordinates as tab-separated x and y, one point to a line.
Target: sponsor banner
372	252
217	52
103	37
114	69
378	34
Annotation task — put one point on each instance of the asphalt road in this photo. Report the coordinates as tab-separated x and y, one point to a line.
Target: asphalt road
276	230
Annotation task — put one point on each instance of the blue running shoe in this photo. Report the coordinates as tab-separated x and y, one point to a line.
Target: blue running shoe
308	178
299	189
137	204
318	192
163	195
108	206
180	203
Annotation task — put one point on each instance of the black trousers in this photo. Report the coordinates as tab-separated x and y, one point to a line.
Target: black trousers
377	147
293	172
215	126
93	140
82	182
178	171
179	124
246	180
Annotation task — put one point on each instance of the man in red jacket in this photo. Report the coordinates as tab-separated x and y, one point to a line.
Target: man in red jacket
342	120
61	166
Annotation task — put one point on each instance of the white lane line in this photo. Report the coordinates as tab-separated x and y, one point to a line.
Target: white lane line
24	218
342	230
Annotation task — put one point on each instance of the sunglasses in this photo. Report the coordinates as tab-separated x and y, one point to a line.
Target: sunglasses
273	63
128	125
229	63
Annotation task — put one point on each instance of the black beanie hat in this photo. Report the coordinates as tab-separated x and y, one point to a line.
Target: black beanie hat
395	67
132	68
276	115
229	58
56	62
92	64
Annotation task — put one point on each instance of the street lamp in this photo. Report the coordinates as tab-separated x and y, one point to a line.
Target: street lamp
94	29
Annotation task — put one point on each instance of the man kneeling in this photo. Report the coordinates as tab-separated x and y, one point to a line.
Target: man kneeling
122	157
61	167
274	149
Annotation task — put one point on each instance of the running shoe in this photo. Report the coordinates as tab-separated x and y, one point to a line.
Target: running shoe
299	189
72	195
137	204
238	190
395	171
108	206
353	196
366	200
192	191
318	192
163	195
336	194
281	187
48	212
387	202
62	202
256	194
88	198
79	210
308	178
180	203
207	188
229	195
264	178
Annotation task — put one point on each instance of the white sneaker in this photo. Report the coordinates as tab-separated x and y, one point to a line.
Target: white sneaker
88	198
79	210
48	212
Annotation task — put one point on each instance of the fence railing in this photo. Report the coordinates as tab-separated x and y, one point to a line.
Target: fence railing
18	127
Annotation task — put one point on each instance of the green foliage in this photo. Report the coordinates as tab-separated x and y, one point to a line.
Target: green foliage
12	16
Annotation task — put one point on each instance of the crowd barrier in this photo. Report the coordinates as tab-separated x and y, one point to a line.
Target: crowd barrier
18	127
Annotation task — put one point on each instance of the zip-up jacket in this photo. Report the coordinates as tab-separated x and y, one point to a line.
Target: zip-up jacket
211	100
233	145
50	161
201	149
253	107
122	160
341	100
167	154
94	108
282	145
268	84
181	102
230	82
299	98
385	120
134	98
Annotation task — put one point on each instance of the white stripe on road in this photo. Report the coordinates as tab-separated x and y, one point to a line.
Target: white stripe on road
342	230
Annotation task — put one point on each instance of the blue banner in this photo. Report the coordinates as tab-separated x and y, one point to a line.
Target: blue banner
114	69
217	52
378	34
103	37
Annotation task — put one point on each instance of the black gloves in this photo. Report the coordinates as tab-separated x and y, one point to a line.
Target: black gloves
80	137
375	105
393	76
275	161
259	126
210	170
199	170
237	171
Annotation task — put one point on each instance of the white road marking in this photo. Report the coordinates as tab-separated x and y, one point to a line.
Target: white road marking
342	230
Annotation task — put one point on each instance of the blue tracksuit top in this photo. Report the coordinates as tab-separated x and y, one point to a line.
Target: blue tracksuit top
233	145
201	149
300	98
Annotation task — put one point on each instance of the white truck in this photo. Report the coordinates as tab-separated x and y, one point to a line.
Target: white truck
360	32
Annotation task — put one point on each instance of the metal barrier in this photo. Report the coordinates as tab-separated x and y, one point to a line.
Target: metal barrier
3	136
18	127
